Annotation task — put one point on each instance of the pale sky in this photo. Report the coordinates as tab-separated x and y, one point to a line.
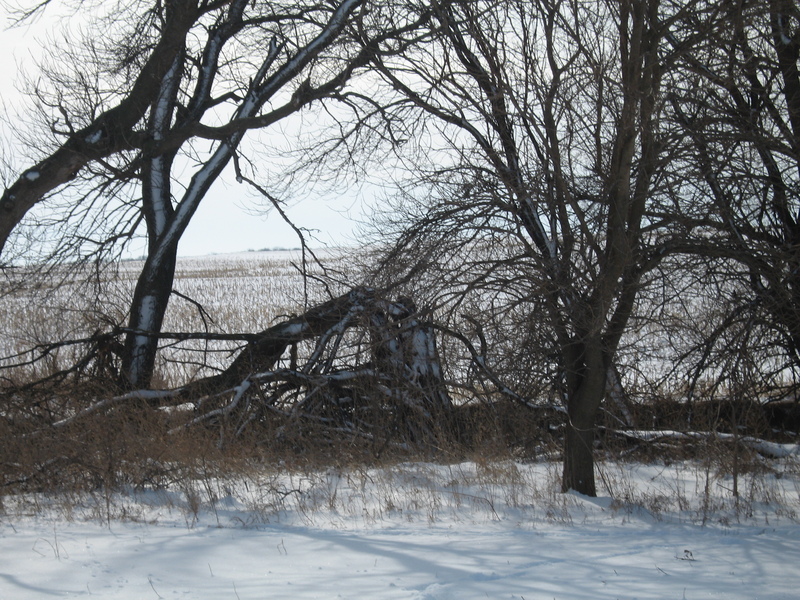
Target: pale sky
223	222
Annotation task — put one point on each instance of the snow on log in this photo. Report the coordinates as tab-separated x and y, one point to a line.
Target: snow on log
402	352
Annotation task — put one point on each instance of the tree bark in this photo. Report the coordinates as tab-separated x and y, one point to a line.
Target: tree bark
108	134
586	386
148	307
578	473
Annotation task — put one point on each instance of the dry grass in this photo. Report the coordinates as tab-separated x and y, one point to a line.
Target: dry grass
131	463
251	492
226	294
495	461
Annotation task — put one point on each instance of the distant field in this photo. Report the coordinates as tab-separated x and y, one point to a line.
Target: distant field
239	293
248	292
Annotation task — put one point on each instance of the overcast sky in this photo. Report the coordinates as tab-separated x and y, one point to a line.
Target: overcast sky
223	223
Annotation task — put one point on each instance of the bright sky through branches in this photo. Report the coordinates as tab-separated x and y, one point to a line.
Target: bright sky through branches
230	218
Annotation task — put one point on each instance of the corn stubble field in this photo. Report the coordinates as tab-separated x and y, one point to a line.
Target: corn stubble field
232	293
127	462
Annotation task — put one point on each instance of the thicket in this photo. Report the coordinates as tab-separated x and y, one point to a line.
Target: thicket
592	234
354	381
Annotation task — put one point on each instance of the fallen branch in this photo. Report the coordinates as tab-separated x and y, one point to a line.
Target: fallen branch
146	395
763	447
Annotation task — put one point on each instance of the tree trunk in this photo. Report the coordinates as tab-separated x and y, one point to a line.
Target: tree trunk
149	305
578	472
154	286
586	386
109	133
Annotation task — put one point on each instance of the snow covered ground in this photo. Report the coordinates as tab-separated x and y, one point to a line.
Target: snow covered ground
416	531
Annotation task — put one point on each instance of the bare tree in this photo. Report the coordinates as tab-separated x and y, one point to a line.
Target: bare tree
225	69
740	114
112	128
279	66
551	158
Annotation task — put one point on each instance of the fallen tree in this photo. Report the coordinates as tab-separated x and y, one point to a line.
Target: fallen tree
358	364
356	376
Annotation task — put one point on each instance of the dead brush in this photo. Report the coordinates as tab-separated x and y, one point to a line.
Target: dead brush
127	446
341	445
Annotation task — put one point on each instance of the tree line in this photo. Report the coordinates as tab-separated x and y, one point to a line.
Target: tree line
577	165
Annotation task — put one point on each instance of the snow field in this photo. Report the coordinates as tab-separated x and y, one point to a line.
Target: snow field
239	292
415	531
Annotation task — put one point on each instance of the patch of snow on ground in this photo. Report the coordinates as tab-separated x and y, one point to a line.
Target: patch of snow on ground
415	531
